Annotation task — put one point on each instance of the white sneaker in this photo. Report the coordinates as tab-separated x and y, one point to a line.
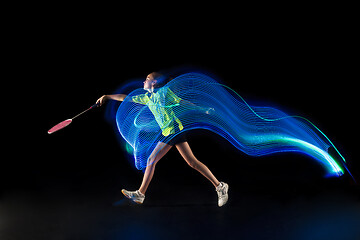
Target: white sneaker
222	191
135	196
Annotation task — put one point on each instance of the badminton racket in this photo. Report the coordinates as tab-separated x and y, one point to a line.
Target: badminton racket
66	122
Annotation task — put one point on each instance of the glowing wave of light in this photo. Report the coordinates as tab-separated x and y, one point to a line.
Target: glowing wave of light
207	104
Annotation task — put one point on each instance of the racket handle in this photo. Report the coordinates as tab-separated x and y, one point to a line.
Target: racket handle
95	105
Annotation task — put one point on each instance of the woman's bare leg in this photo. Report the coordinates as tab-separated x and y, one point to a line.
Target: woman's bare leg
159	151
189	157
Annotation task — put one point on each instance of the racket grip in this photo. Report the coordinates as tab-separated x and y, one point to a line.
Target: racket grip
95	105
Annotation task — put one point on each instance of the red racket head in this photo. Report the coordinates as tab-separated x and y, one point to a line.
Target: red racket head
59	126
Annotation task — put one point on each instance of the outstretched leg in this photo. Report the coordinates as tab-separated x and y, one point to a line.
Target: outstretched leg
160	150
185	151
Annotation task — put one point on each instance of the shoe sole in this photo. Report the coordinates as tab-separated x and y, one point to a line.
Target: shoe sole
123	192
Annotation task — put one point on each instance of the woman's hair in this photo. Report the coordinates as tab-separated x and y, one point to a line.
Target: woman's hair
161	79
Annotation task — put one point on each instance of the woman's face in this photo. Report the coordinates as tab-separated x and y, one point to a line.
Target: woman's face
149	82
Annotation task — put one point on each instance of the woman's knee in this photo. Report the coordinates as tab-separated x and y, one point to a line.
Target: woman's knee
193	162
152	160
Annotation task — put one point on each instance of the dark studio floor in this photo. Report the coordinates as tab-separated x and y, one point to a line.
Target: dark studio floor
94	208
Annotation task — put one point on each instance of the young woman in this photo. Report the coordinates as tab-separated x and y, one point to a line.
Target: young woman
152	81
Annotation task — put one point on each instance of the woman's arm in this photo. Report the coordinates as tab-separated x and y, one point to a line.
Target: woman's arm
117	97
192	106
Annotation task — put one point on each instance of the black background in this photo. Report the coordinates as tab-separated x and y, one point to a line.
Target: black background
304	65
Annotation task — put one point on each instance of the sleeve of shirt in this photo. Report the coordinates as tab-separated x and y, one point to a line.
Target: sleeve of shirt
141	99
170	96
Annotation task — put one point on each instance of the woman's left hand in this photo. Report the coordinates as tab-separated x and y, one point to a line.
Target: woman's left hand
210	111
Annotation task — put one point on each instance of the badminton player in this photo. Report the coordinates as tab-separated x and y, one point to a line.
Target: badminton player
154	81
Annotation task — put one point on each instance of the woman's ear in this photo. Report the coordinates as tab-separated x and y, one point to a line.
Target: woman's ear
153	83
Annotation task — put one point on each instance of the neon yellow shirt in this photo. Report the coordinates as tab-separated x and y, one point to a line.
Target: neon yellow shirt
160	104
